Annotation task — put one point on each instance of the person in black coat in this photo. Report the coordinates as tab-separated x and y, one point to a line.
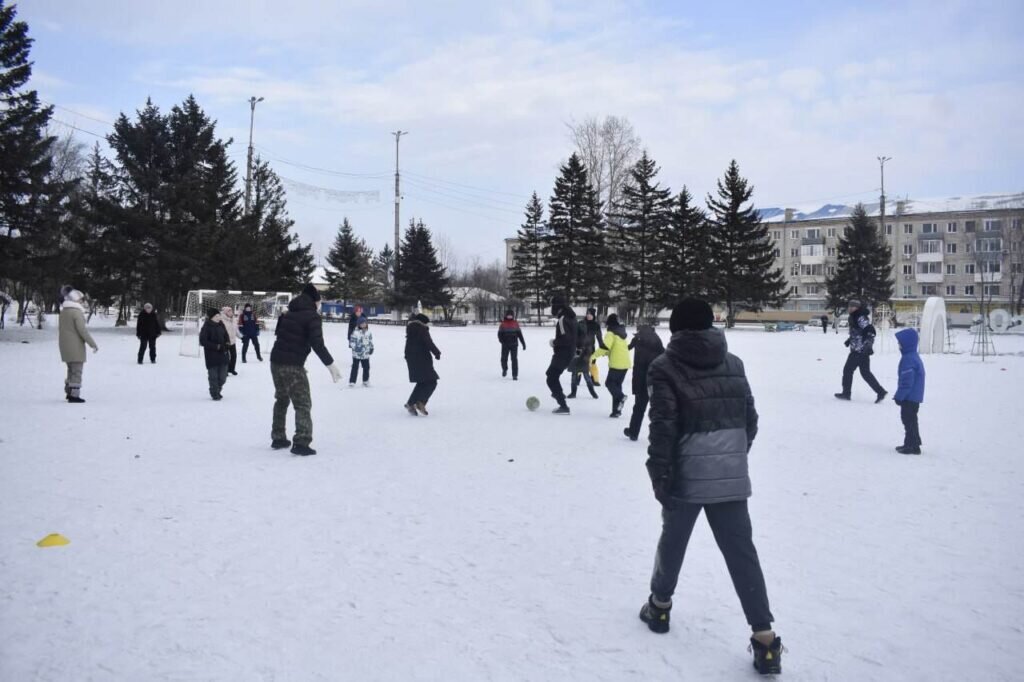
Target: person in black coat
420	353
646	346
213	338
861	344
588	337
563	348
147	329
703	423
824	324
510	336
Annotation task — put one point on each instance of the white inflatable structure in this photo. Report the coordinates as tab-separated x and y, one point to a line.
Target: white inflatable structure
933	326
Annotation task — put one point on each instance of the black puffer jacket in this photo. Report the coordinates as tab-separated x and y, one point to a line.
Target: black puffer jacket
420	352
647	345
862	333
213	337
703	420
298	331
564	344
147	326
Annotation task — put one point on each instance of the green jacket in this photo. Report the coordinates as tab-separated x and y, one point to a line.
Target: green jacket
617	349
72	333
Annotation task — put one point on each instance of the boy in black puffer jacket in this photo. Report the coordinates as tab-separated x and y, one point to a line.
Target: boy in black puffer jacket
646	346
213	337
703	423
147	330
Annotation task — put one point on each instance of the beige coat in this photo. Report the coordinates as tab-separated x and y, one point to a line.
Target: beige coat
228	315
73	334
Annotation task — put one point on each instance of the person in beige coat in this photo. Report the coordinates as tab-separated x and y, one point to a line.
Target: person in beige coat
73	336
228	313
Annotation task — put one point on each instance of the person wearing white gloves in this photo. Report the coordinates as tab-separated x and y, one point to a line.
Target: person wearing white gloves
73	337
299	330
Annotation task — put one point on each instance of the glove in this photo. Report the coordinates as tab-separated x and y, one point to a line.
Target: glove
437	355
371	351
846	343
524	346
661	490
335	372
95	349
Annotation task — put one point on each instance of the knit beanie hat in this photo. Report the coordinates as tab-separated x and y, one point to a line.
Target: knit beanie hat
212	313
854	303
691	314
612	321
75	296
311	291
557	304
420	317
361	321
510	315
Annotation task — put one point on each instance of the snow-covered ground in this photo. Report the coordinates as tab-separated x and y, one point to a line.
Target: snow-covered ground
486	542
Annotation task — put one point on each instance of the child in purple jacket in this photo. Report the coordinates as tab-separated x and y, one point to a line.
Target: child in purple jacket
910	392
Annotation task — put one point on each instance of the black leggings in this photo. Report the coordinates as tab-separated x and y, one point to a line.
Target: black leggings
354	374
908	415
255	344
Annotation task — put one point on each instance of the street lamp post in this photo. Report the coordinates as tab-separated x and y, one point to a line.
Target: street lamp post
248	164
398	197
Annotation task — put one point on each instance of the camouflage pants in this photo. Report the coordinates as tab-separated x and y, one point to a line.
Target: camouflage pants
291	386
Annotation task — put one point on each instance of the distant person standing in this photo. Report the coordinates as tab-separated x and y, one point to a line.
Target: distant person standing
563	348
361	343
510	336
73	336
147	329
861	344
824	324
299	330
420	353
228	317
213	337
249	329
646	346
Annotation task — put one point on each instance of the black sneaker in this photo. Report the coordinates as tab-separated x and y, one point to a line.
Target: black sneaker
303	450
907	450
881	396
280	443
571	396
233	373
843	396
217	397
75	399
561	409
629	434
515	378
657	618
767	658
140	361
504	373
411	409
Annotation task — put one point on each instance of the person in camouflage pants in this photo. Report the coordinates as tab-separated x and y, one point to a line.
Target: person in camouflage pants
291	387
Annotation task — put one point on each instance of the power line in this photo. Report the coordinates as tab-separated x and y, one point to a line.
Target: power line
459	184
460	210
471	202
317	169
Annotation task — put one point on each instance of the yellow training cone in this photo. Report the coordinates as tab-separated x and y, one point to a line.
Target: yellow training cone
53	540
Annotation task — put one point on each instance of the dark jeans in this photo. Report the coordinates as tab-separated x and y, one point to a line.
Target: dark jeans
908	415
232	357
514	353
559	363
730	524
255	344
613	382
824	328
217	377
356	362
152	349
421	392
862	362
639	409
581	369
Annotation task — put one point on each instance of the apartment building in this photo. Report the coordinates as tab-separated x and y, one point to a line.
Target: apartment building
961	249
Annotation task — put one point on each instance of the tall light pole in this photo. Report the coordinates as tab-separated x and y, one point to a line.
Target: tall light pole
881	203
248	164
398	198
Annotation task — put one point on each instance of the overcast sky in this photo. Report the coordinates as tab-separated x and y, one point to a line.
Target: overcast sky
804	95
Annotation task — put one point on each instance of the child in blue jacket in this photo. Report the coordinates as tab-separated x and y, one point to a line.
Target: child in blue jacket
910	392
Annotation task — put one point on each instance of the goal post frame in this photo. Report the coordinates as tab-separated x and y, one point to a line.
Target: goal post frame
268	305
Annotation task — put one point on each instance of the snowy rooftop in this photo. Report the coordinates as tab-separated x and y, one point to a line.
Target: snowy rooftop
981	202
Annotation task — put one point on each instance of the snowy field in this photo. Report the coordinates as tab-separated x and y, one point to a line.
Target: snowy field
486	542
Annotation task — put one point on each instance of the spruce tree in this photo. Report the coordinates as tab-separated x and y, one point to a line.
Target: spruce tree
25	155
640	223
685	265
741	249
349	269
864	266
384	273
423	278
529	279
575	250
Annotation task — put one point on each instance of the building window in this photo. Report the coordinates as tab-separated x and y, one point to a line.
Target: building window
969	225
1017	268
993	225
929	228
950	248
813	233
776	235
908	249
1016	223
776	253
794	270
908	269
929	268
812	270
812	250
968	268
794	253
812	290
931	246
794	234
888	229
831	271
951	290
950	227
928	289
991	267
969	290
907	291
989	245
990	290
908	228
832	231
831	252
794	291
951	269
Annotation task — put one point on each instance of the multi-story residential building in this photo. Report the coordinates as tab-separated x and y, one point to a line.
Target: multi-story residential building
960	249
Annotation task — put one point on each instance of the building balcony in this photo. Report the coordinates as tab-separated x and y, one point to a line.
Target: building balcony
812	279
928	277
813	241
988	277
812	260
931	236
987	255
929	257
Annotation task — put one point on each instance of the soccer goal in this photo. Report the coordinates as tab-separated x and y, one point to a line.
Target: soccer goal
266	304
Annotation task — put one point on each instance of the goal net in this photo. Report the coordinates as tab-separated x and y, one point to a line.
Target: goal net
266	304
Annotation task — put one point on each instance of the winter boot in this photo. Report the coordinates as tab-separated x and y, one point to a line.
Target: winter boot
75	399
656	617
140	361
218	397
302	450
422	409
352	385
881	396
629	434
767	657
366	384
504	373
908	450
843	396
561	409
571	396
411	409
280	443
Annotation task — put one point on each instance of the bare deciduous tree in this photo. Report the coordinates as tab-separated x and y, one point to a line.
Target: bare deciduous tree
608	149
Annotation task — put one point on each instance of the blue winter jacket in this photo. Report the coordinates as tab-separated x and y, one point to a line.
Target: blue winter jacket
911	382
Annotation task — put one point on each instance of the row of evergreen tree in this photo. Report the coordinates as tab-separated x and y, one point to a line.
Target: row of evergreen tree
648	250
162	216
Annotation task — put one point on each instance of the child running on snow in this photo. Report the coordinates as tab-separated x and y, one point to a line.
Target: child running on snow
910	391
361	343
